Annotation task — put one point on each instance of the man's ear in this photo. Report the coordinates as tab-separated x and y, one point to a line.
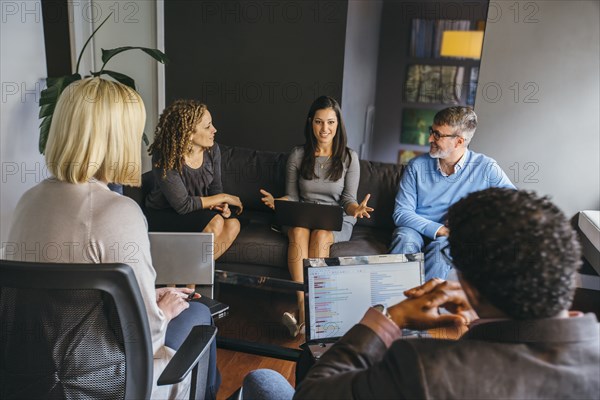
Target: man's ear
472	293
460	142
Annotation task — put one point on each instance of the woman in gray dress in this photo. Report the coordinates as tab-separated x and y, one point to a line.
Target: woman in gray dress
324	170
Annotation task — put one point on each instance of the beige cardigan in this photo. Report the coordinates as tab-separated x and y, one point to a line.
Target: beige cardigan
87	223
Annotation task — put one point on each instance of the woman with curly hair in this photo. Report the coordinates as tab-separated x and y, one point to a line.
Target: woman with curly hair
188	195
324	170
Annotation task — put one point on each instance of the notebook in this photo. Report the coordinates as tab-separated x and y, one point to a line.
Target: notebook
338	291
182	257
309	215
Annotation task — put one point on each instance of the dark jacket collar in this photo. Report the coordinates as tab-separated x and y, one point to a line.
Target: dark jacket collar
573	329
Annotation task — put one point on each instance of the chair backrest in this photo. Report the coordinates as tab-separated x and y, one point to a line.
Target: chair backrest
73	331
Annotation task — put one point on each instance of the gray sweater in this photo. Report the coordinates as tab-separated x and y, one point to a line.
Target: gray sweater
87	223
321	190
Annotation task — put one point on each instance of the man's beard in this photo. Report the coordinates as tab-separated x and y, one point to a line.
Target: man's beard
439	153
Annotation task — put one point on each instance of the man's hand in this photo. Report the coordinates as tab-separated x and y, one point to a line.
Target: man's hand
443	231
421	309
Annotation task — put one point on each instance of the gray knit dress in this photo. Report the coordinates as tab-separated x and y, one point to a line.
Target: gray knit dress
323	191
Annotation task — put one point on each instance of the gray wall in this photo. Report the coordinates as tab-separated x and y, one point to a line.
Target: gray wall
546	135
22	66
360	72
257	65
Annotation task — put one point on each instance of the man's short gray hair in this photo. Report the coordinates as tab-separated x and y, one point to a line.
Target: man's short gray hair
463	119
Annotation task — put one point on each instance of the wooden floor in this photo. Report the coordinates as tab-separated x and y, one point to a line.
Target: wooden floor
254	316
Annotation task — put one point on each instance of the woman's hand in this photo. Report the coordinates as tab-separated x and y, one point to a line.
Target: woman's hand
223	209
172	301
234	201
268	200
361	210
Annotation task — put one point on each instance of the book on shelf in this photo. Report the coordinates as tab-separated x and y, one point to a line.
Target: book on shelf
473	80
426	35
434	84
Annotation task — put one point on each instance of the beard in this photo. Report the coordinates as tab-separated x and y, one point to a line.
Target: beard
438	153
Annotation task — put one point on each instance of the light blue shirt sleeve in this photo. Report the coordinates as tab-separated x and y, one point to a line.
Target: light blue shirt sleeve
406	205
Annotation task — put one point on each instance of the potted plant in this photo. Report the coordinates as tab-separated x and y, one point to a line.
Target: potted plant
55	86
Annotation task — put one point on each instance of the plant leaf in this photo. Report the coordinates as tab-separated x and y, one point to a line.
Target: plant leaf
87	41
121	78
154	53
48	99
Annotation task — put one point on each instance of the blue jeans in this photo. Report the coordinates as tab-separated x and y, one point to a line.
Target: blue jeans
407	240
180	327
266	384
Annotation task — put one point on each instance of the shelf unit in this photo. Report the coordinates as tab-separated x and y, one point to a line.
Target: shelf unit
421	114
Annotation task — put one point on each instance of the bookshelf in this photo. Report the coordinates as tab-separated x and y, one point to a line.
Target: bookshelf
430	81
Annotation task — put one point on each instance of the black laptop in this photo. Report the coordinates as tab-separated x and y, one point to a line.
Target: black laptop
309	215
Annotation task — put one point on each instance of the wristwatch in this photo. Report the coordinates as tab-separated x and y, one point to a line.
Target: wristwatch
382	309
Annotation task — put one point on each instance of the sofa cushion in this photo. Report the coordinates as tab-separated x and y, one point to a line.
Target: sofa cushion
381	181
365	241
245	171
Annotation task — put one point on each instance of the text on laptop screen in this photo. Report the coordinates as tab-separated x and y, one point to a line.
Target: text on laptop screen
338	296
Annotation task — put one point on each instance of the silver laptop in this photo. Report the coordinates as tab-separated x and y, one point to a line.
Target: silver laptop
338	291
182	257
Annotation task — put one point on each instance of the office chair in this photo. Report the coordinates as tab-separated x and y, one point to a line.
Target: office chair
81	331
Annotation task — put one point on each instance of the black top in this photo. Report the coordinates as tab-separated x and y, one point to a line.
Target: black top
182	191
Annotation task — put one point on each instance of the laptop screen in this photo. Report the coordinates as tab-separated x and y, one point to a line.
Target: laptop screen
340	290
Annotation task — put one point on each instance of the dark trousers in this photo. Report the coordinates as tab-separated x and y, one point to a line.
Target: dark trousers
179	328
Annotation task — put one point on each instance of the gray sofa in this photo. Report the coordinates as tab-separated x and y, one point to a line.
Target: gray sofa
261	251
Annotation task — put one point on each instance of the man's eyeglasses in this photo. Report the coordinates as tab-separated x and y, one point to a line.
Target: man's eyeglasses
437	135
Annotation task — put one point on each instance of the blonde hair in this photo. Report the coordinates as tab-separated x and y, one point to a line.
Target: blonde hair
96	132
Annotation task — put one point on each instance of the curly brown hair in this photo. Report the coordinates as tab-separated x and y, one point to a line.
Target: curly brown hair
172	135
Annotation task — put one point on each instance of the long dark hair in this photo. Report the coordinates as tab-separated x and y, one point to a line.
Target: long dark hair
340	152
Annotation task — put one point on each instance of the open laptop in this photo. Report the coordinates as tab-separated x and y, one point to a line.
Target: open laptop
309	215
182	257
338	291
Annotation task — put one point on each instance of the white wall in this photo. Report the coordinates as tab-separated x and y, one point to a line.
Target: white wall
360	71
133	23
22	68
546	135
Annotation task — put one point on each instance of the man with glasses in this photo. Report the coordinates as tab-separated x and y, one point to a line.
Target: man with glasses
433	182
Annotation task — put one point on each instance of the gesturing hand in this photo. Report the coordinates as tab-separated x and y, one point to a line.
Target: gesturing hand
268	199
362	210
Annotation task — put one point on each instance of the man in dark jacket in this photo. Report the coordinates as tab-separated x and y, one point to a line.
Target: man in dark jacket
516	257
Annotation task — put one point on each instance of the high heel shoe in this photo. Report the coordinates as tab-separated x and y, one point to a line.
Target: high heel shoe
290	322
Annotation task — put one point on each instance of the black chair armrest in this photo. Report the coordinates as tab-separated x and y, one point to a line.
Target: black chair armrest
191	351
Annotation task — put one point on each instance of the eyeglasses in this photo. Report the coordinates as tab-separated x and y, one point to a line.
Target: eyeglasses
437	135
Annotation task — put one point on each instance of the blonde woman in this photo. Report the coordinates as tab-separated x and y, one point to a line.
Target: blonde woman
95	139
188	194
